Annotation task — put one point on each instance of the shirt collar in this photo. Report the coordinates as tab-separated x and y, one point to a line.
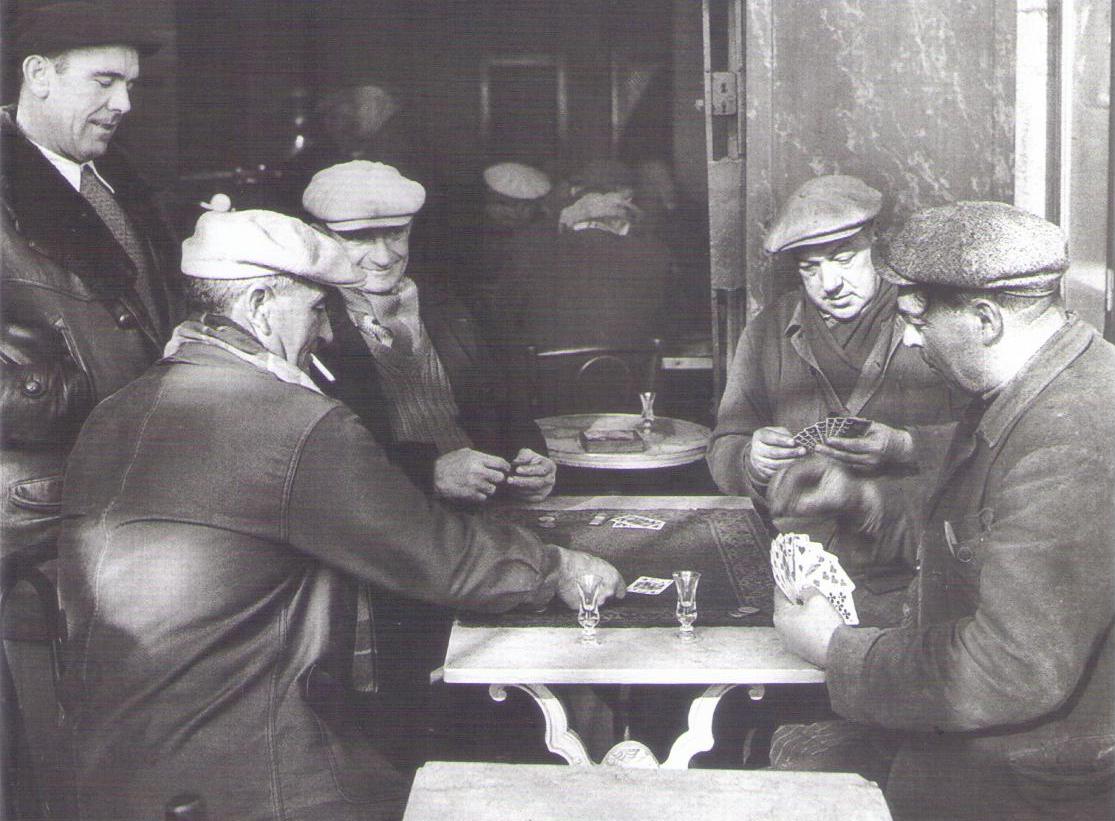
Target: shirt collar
69	169
1047	363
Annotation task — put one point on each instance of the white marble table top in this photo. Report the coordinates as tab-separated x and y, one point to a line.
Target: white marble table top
672	442
548	792
625	655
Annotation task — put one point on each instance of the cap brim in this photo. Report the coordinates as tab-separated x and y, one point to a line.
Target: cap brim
375	222
819	239
892	276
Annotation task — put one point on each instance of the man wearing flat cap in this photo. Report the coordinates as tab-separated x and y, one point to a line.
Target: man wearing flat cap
86	287
832	348
211	591
995	696
410	362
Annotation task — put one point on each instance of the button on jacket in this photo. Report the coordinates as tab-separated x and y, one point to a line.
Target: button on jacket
218	522
74	326
1007	680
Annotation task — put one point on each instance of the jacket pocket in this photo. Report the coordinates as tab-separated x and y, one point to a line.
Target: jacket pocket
39	495
1066	770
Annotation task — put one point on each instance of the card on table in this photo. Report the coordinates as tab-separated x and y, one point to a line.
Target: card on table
649	585
631	520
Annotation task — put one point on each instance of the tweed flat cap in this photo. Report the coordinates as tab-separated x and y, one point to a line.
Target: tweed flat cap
246	244
977	245
60	27
821	210
517	181
362	194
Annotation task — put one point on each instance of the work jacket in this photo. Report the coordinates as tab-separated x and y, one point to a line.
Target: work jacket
1006	676
218	522
73	326
774	380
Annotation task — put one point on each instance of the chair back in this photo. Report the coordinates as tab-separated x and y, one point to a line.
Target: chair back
592	378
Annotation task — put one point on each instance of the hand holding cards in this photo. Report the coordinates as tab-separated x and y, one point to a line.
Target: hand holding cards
848	427
799	564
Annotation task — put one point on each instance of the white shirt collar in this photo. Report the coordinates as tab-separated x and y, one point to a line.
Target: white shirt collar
69	169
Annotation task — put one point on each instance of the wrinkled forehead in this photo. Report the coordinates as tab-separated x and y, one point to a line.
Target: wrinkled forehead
116	61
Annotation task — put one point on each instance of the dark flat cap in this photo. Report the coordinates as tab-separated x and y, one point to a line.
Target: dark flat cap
824	209
977	245
61	27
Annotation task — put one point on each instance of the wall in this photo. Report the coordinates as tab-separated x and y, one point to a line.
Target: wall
913	96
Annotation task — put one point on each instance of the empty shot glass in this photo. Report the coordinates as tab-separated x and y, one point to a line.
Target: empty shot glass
685	582
588	611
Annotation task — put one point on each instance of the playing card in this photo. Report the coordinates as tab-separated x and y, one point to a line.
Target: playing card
649	585
639	522
799	565
848	427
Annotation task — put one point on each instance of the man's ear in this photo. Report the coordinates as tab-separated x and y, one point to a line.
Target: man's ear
38	71
258	304
990	317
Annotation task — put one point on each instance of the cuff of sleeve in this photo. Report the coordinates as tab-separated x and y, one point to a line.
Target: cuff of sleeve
845	666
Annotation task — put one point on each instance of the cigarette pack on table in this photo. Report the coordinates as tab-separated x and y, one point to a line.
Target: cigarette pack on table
612	441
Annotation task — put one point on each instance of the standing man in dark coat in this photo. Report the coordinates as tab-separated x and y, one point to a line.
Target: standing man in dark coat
995	696
86	292
210	592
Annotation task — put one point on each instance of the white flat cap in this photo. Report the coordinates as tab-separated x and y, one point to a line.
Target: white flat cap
517	181
362	194
246	244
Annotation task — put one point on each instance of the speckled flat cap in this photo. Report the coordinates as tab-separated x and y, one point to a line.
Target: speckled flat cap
247	244
824	209
362	194
977	245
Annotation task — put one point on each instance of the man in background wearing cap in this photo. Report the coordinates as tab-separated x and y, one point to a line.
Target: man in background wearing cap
512	199
994	697
86	295
412	366
593	276
830	348
210	592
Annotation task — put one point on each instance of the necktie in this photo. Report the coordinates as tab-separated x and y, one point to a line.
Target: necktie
112	215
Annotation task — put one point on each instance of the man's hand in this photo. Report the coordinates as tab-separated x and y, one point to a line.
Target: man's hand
467	475
806	629
573	564
880	446
532	476
821	488
771	450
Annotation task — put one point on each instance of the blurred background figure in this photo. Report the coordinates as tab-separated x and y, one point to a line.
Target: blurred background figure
512	199
593	275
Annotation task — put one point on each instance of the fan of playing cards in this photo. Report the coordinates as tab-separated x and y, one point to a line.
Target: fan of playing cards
799	564
849	427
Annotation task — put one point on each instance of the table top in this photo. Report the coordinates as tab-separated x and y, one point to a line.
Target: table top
670	443
628	655
554	792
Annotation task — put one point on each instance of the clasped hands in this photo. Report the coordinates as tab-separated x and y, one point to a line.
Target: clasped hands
467	475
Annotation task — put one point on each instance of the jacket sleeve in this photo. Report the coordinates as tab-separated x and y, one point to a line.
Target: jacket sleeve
351	508
44	393
1046	598
744	408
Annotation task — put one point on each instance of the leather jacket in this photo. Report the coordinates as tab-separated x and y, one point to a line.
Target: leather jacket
72	327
